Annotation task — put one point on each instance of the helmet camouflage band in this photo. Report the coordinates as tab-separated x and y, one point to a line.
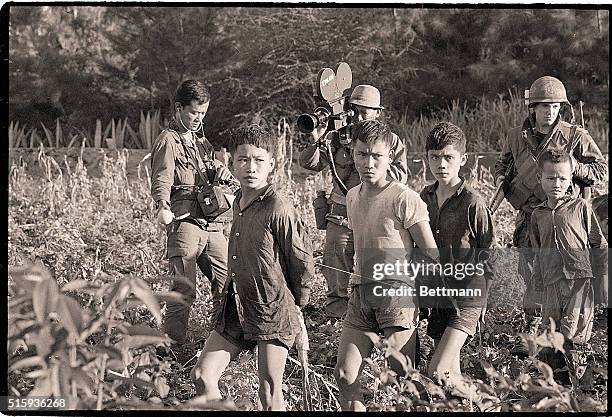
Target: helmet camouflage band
547	90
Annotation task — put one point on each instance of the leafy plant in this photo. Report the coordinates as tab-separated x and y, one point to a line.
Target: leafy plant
50	338
148	128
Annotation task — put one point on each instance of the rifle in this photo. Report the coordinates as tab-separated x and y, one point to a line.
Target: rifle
586	191
502	189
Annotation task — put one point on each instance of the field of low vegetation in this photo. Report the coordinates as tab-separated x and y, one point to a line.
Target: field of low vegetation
88	283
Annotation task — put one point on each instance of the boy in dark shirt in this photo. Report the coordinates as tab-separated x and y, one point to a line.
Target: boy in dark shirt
572	252
463	230
270	267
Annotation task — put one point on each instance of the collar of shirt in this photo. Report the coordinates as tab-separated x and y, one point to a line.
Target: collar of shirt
564	202
269	189
431	190
535	138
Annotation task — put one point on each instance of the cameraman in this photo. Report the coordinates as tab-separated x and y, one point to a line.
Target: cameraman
338	250
192	240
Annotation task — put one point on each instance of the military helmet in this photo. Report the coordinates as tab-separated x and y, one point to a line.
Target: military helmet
547	90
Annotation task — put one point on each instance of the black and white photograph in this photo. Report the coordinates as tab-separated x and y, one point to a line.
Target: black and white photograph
305	207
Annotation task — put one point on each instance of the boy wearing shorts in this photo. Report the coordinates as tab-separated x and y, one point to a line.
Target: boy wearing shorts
270	267
387	219
464	233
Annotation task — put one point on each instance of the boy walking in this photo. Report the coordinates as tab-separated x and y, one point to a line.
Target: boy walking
338	250
387	218
270	267
464	233
572	252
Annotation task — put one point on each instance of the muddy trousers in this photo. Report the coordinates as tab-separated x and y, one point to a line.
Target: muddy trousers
190	246
338	254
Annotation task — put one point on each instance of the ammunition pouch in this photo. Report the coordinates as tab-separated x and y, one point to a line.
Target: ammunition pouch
212	201
337	214
321	209
338	209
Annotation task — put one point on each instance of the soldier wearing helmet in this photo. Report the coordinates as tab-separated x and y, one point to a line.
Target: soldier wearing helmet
338	250
543	129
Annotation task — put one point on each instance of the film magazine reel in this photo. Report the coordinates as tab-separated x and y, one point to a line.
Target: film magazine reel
332	90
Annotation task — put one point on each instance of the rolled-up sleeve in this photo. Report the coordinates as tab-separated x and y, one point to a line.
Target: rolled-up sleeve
296	253
410	208
312	158
162	168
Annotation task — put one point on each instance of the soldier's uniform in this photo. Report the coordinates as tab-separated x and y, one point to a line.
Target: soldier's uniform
520	147
192	239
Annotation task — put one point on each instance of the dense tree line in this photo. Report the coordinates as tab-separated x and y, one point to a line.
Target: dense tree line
80	64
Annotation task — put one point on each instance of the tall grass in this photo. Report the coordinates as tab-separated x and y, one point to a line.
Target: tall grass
118	134
487	123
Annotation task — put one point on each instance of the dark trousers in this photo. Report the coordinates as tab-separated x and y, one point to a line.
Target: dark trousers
532	301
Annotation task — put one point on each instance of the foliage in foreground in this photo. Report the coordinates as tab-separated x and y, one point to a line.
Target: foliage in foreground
98	239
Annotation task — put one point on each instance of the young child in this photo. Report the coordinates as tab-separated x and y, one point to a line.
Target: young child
572	251
464	234
270	267
386	217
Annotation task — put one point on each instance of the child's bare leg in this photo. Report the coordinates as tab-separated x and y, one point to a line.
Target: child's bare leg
217	354
446	356
271	359
403	340
355	345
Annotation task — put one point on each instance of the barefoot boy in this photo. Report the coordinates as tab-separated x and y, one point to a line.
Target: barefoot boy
463	230
572	252
385	216
270	267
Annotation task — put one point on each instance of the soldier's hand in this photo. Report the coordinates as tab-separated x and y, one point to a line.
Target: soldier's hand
318	132
499	180
164	216
224	174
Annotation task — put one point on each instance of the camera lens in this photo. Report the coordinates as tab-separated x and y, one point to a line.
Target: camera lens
307	123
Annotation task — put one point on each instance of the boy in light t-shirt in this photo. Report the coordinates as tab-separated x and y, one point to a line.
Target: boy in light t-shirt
387	219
